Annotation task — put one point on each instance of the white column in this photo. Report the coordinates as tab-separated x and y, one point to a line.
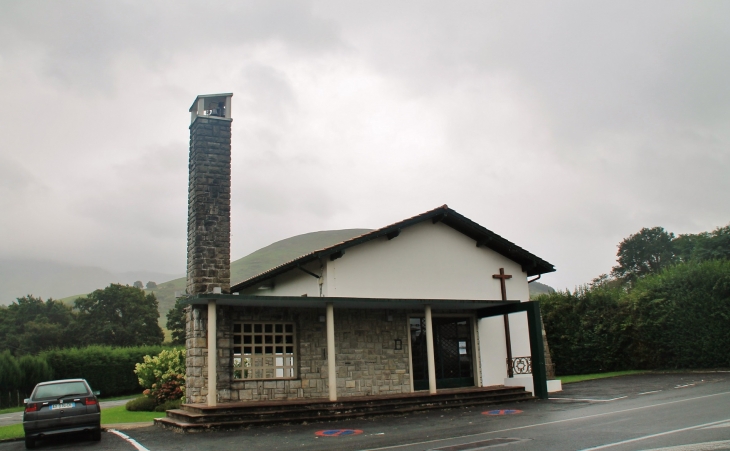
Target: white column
331	367
212	354
430	353
201	107
228	107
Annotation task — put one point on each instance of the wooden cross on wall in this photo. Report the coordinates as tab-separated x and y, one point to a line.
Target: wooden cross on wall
502	277
508	339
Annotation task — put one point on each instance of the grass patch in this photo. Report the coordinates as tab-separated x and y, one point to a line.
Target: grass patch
120	414
12	431
114	398
117	398
111	415
590	377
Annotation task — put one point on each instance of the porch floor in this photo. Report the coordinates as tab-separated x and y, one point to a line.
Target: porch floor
199	417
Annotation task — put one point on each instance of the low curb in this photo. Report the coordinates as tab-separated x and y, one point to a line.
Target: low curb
123	426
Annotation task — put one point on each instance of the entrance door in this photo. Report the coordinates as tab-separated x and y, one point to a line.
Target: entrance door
452	352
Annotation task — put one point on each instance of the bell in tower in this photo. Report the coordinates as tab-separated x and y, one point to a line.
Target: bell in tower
212	106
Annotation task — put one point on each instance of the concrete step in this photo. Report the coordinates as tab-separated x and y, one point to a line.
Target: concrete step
230	417
340	408
314	404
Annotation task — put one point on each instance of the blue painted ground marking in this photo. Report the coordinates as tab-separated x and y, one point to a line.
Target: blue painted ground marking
502	412
337	432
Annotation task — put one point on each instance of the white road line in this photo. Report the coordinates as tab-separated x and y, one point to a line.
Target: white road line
707	446
132	441
547	423
723	425
648	392
588	399
684	386
638	439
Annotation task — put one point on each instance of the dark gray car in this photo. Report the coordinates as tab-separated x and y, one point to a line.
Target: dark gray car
60	407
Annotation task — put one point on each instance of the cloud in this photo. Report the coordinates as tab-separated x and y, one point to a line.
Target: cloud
563	126
17	182
79	42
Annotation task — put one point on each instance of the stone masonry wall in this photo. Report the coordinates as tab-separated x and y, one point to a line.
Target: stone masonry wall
196	351
209	240
367	363
209	206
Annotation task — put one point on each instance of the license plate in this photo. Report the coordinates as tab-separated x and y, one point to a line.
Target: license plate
65	405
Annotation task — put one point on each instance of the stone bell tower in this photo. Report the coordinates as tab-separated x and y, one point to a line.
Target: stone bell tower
209	195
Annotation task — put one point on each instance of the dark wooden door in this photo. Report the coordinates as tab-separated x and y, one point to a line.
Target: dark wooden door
453	353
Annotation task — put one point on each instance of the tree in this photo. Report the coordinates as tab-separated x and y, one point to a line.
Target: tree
119	315
716	246
646	252
151	285
176	322
138	284
29	325
686	246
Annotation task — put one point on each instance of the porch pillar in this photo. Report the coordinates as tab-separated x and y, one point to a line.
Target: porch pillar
212	354
539	375
430	352
331	366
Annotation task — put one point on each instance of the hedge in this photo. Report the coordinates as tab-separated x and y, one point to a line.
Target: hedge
22	374
108	369
678	318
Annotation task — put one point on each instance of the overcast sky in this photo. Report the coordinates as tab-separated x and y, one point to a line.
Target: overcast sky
562	126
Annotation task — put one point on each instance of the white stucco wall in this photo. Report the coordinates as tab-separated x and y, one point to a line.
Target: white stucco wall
291	283
426	261
435	261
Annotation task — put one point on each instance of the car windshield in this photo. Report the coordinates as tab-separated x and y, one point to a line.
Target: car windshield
60	390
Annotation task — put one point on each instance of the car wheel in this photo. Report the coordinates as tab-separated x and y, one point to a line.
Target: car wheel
29	443
96	434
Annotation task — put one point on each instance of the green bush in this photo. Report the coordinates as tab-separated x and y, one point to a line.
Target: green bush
162	376
141	404
108	369
169	405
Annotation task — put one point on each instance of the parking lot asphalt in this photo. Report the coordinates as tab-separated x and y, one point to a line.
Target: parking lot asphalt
647	411
637	385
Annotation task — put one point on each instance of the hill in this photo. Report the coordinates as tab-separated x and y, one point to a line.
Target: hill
537	288
259	261
274	255
266	258
45	279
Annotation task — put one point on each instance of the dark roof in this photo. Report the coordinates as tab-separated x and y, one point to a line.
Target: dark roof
531	263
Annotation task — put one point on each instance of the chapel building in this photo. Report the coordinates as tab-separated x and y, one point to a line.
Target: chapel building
435	301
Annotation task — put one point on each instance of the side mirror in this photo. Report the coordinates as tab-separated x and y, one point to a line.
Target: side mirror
97	393
26	400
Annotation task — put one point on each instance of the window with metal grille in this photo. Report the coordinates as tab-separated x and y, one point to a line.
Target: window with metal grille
263	350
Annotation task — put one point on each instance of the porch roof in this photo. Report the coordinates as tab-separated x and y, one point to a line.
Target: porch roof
242	300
